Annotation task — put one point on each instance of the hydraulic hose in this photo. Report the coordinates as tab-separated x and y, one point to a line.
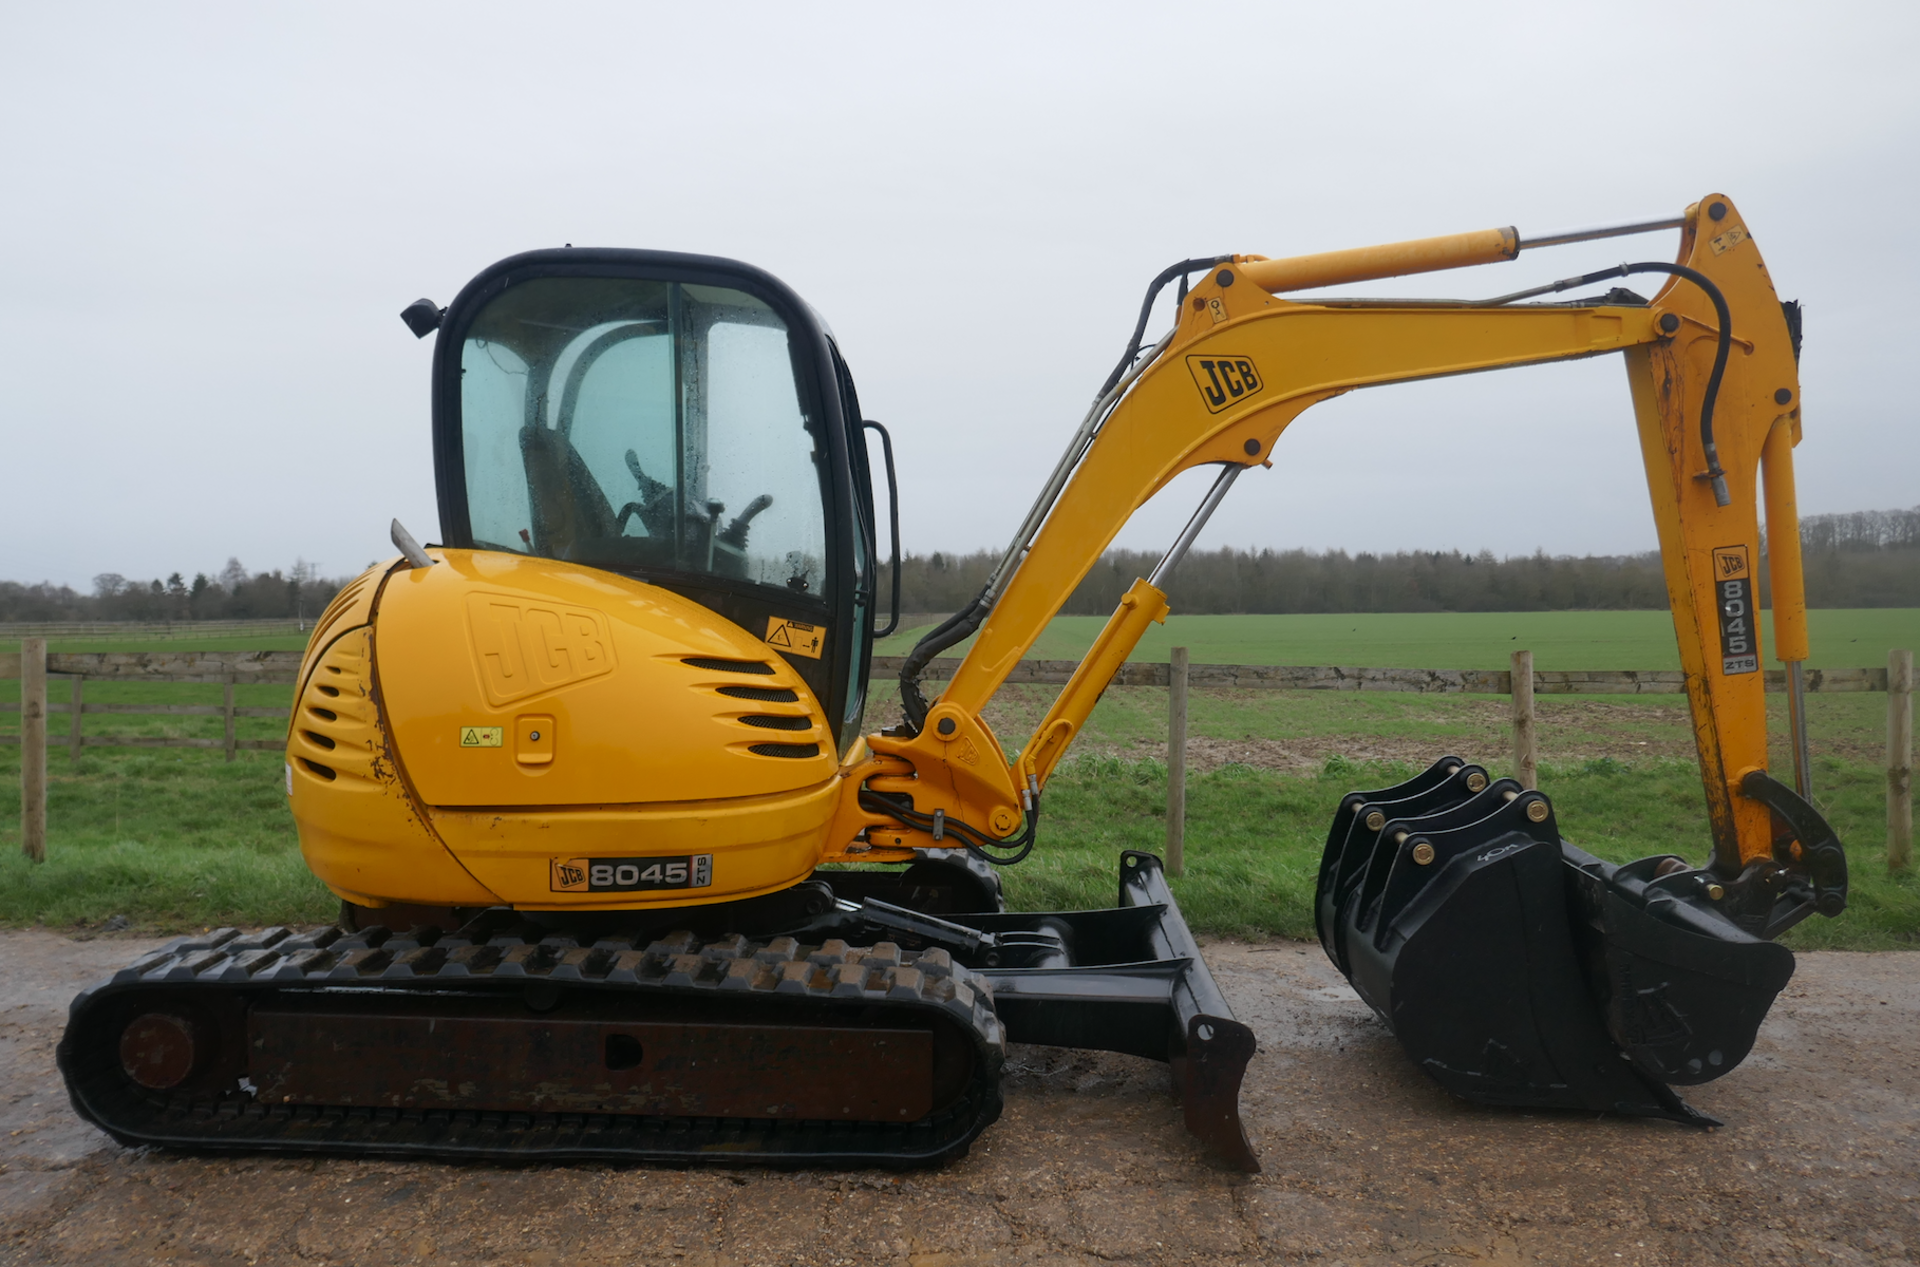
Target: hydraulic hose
1715	474
978	843
962	624
955	628
1166	275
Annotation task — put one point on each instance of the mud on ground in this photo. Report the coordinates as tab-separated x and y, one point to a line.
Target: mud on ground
1568	732
1366	1161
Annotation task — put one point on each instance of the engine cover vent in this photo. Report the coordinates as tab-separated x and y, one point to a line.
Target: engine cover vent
758	667
795	751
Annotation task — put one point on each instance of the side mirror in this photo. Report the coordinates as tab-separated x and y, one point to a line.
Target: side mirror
422	317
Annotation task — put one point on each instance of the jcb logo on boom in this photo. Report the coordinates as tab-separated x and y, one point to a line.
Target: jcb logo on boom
1224	380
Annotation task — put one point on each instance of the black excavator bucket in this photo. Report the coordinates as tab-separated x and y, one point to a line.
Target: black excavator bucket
1518	970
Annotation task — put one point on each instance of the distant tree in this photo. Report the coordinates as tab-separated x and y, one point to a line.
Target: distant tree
108	584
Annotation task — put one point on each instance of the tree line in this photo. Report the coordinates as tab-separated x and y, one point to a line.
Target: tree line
1864	559
1869	558
232	594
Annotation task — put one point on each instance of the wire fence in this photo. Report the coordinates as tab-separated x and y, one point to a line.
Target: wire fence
245	671
13	631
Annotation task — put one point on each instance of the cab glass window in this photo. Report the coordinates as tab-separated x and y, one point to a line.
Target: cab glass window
644	427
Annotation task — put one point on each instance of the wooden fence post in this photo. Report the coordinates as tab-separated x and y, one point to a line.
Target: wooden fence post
76	694
33	748
1899	758
1526	755
1177	762
226	711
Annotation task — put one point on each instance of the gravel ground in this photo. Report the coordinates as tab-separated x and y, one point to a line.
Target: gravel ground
1366	1161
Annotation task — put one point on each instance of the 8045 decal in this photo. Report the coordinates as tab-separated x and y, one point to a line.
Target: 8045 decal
1733	594
631	875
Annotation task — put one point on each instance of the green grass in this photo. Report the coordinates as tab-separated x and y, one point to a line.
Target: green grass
1254	839
1621	771
179	839
1855	638
171	838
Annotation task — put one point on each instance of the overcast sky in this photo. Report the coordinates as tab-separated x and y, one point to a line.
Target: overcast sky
212	215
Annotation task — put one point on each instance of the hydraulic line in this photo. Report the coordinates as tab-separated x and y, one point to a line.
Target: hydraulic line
961	625
1721	495
1167	274
939	826
1184	542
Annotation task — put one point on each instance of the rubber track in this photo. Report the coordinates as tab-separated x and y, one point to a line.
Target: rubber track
484	958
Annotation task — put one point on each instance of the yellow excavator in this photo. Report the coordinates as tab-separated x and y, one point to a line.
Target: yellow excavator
624	875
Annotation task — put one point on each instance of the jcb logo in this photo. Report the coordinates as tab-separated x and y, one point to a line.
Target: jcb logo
525	648
1224	380
1729	562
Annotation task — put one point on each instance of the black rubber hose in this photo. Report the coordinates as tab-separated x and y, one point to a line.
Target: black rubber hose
1166	275
955	628
962	624
1717	476
977	842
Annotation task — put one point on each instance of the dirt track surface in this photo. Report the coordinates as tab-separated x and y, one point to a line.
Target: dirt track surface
1366	1161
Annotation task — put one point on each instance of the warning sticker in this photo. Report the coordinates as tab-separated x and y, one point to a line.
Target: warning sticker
1733	590
482	736
628	875
796	637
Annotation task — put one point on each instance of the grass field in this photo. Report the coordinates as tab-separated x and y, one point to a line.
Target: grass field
217	642
1851	638
1848	638
178	838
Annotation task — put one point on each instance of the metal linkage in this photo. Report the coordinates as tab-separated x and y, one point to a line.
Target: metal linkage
1564	237
1184	542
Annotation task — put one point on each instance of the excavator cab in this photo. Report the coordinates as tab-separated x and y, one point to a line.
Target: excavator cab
681	420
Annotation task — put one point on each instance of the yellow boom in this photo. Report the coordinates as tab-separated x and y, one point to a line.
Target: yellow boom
1243	363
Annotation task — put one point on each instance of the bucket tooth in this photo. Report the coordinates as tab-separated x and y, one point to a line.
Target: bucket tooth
1350	841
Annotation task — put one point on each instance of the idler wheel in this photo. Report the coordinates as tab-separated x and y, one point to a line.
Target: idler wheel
159	1050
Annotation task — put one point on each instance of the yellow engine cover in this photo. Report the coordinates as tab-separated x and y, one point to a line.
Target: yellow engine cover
571	737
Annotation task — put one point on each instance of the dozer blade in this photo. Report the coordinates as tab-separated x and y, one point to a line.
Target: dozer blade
1518	970
1138	984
